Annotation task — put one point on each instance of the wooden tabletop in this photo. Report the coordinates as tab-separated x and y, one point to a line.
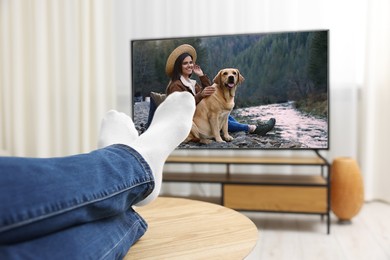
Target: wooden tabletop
190	229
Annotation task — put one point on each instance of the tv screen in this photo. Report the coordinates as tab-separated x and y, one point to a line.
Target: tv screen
281	103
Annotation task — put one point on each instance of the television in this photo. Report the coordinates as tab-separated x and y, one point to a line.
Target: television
286	78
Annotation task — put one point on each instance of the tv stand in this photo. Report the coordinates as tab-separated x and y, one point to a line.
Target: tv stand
287	193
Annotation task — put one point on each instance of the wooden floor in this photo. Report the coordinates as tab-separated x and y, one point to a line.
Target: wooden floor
303	237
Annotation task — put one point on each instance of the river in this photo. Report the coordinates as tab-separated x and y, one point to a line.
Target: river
291	124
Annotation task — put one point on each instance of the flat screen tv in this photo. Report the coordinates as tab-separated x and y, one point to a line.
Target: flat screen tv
286	78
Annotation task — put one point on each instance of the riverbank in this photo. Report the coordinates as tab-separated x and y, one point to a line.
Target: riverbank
293	130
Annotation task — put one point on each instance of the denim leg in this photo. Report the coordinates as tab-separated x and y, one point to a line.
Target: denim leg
234	126
109	238
40	196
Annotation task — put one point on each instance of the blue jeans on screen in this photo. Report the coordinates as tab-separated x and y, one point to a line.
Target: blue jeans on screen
234	126
75	207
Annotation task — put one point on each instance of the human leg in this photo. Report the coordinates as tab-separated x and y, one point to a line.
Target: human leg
259	129
116	128
108	238
235	126
40	196
170	126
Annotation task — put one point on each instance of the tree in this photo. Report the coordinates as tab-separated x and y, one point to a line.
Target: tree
318	60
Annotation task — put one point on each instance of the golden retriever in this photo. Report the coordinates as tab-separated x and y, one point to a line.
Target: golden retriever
211	114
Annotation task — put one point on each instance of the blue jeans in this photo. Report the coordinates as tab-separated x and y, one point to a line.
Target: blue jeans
234	126
75	207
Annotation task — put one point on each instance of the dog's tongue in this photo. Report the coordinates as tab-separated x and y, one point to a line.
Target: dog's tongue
231	85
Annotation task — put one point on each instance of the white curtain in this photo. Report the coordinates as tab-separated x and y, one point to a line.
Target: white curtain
375	124
56	75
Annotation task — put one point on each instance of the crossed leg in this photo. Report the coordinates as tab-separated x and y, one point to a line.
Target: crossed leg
171	124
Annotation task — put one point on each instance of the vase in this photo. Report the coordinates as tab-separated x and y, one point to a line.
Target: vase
347	192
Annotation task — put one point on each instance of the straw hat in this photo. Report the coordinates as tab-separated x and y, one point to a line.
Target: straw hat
185	48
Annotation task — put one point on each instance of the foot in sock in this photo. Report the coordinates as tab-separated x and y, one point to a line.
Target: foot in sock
171	124
116	128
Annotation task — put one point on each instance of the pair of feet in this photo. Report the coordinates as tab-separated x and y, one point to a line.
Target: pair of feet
156	143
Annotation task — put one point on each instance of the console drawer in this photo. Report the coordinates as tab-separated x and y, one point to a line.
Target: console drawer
306	199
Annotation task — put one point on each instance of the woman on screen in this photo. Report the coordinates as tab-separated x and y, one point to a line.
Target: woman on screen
181	65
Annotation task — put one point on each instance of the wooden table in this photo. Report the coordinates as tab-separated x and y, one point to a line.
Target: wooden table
189	229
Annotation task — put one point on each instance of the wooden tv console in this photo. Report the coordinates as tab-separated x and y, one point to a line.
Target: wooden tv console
287	193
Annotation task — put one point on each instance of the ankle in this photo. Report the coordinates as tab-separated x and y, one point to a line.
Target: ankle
251	128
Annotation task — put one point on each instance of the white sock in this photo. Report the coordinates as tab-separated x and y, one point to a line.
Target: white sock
171	124
116	128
